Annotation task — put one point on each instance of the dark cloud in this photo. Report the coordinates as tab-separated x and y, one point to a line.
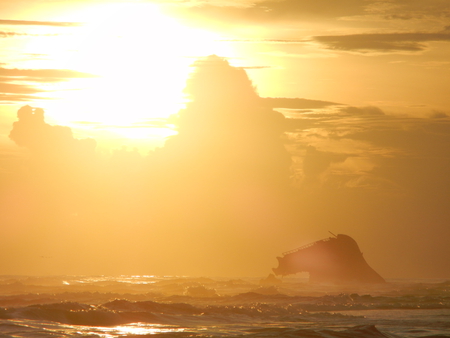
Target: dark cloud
39	23
437	114
411	42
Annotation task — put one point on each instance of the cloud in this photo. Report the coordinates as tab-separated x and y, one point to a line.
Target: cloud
14	98
316	162
410	153
39	23
9	34
275	10
367	149
295	103
369	110
4	34
33	132
228	136
304	55
295	9
365	171
437	114
43	73
269	41
409	9
259	12
423	137
225	16
10	90
390	42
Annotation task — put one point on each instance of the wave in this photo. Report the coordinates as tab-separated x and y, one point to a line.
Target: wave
252	304
122	311
41	330
188	307
363	331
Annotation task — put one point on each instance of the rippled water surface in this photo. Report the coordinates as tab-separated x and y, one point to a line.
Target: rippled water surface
139	306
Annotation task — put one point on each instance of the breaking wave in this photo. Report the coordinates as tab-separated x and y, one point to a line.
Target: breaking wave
182	307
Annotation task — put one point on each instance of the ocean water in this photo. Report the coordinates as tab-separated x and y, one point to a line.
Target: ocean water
174	306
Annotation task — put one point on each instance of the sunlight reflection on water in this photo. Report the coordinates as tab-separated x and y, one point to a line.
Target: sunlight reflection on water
138	329
135	329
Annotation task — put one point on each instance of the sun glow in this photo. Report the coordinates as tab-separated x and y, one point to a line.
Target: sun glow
141	59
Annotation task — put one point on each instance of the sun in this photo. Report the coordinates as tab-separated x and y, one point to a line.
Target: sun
141	59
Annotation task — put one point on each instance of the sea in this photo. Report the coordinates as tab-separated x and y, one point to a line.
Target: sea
181	306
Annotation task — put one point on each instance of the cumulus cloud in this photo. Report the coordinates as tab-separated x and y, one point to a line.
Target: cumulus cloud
61	169
33	132
228	128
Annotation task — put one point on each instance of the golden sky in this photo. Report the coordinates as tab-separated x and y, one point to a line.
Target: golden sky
363	85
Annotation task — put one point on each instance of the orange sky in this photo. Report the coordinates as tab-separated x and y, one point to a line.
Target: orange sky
368	134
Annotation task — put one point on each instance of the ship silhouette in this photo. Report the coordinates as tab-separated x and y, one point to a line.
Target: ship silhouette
335	260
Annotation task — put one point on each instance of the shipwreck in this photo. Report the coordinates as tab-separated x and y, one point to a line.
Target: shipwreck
335	260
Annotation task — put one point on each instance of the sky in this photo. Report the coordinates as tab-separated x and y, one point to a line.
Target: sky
126	171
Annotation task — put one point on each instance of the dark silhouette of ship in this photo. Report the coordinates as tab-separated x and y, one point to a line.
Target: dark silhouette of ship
335	260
